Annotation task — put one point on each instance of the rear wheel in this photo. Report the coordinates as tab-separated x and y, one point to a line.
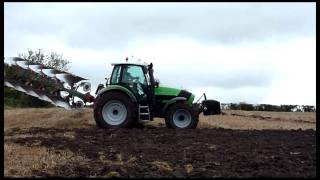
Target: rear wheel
181	115
114	109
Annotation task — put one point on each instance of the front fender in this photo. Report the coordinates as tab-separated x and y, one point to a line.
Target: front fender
118	88
171	101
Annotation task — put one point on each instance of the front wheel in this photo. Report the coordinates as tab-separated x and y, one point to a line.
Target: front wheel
181	115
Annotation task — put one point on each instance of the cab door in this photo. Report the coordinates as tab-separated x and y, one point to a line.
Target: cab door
131	77
134	79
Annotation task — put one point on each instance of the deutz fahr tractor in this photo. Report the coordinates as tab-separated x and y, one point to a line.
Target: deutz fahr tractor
132	96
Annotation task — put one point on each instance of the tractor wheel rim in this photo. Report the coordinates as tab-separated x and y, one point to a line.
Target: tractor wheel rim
114	112
182	118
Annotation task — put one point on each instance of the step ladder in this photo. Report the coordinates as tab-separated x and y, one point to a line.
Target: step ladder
143	111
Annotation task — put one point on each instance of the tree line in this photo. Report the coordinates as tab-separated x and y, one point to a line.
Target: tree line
268	107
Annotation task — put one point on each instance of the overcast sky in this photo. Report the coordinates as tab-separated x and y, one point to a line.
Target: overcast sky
234	52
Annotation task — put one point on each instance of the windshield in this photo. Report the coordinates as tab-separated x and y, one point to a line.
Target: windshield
133	74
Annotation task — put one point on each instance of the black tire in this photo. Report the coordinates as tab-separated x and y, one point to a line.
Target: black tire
104	98
184	106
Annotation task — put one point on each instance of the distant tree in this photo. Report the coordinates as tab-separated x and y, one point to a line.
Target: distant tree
57	61
51	59
246	106
308	108
287	108
234	106
261	107
268	107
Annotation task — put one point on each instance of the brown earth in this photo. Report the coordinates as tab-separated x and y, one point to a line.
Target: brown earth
54	142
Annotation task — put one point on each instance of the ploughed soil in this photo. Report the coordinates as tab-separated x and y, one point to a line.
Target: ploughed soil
161	152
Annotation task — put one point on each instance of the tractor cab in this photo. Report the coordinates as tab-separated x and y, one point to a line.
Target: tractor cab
138	79
134	77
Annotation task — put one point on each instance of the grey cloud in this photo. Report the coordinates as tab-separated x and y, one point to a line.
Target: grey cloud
211	24
112	25
222	77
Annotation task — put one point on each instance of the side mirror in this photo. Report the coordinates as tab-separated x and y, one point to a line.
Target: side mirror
107	79
145	70
156	83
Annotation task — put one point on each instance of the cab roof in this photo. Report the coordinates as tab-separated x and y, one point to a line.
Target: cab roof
135	64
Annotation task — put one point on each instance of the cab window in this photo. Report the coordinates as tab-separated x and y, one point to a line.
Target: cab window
115	75
133	74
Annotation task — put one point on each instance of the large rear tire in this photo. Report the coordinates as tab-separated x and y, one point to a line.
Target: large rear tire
113	110
181	116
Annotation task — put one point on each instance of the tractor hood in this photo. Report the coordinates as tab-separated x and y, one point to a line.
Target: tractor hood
167	93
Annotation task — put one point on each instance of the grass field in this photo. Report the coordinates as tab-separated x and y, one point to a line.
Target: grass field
232	119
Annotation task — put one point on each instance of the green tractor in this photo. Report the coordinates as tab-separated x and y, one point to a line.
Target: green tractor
132	96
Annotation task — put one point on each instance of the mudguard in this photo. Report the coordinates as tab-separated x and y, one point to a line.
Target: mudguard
118	88
171	101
